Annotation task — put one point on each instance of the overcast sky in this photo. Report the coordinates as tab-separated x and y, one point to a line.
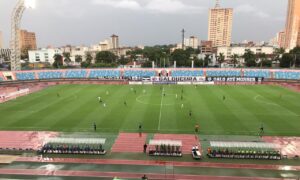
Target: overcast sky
141	22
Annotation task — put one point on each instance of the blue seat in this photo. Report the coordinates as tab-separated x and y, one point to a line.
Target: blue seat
223	73
257	73
287	75
139	73
187	73
104	73
73	74
50	75
22	76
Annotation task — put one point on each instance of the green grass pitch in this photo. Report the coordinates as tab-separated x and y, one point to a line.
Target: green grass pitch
243	111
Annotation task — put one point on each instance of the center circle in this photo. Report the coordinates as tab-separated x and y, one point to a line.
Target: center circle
168	99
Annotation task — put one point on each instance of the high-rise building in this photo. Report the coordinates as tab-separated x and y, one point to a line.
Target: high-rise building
220	25
1	40
292	28
281	39
114	41
27	40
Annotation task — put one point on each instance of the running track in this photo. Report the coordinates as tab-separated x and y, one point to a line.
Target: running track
158	163
62	173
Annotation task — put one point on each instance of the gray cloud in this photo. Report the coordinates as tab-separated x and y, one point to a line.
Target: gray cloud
148	22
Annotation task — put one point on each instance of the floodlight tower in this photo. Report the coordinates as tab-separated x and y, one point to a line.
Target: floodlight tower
16	17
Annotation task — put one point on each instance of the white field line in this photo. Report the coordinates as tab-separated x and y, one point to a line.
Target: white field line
161	104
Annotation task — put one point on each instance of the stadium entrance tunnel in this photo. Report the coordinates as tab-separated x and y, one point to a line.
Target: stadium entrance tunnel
161	99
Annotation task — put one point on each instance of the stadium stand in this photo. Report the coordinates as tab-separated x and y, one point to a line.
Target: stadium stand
187	73
21	76
277	74
257	73
50	75
287	75
139	73
104	73
72	74
223	73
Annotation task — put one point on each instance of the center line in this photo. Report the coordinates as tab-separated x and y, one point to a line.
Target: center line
161	102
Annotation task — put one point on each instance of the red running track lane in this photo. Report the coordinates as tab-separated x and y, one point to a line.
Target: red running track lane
66	173
24	139
289	146
188	141
129	142
158	163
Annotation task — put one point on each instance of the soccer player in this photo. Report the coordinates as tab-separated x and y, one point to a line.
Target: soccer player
196	128
104	105
176	96
182	106
125	103
190	113
95	127
224	98
99	99
181	97
261	130
140	127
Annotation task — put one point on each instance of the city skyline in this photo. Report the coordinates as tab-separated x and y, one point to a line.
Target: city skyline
140	22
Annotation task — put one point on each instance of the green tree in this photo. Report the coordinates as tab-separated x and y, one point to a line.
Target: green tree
262	59
106	57
207	60
88	58
286	60
249	58
234	59
147	64
220	59
58	61
296	56
78	58
123	60
67	57
181	57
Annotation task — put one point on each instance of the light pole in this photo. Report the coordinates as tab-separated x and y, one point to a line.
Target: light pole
16	17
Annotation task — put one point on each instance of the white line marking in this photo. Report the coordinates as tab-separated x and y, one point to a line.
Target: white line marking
161	104
261	101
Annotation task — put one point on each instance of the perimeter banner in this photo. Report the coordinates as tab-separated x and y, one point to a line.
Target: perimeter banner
177	79
234	79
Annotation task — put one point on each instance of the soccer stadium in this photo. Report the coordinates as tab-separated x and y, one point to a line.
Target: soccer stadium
156	123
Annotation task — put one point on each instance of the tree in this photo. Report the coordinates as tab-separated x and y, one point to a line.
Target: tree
24	52
67	58
249	58
147	64
78	58
181	57
207	60
106	57
296	56
220	59
123	60
286	60
261	59
234	59
58	61
88	58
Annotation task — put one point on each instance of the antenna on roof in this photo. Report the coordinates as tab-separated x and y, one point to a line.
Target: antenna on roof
217	4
